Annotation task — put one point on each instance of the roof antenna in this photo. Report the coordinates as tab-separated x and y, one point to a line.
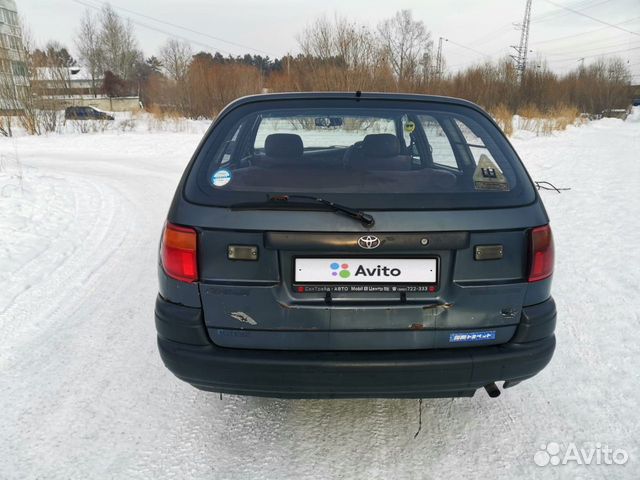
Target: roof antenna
358	93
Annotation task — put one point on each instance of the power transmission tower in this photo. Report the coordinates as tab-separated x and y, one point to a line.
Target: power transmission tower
439	63
523	48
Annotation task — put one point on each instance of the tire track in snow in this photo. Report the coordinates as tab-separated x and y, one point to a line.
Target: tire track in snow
70	315
67	257
37	225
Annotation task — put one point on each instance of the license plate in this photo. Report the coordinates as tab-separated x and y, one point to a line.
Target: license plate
366	270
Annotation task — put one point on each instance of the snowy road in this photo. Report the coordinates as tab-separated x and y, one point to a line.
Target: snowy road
83	393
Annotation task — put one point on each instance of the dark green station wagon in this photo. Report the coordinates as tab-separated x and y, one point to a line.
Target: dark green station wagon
325	245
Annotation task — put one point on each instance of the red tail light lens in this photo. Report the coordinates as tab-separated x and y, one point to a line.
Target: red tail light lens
179	253
541	254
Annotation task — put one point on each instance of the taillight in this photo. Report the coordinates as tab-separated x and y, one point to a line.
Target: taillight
179	253
541	245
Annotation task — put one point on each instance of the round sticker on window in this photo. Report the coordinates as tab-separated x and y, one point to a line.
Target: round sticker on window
221	178
409	127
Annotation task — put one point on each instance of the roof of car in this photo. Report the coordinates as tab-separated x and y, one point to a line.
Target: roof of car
351	95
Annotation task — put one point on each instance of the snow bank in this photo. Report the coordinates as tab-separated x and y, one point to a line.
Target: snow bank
634	116
124	122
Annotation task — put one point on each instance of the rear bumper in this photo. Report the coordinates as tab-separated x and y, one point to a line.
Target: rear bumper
186	351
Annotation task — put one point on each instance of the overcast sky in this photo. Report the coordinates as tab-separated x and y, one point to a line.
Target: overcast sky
476	29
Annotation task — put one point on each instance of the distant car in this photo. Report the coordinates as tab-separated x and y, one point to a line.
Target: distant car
355	245
86	113
636	102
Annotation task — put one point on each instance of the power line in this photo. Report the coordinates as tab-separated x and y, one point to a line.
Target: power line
501	30
564	52
169	34
468	48
593	18
553	15
474	61
581	45
494	36
596	55
440	57
187	29
508	27
159	30
585	33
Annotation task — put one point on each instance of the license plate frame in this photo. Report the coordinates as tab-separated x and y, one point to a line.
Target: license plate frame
363	286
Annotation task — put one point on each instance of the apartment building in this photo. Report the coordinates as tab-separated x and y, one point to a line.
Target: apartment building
13	74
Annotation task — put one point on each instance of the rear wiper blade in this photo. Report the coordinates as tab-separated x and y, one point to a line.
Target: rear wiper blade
281	200
366	219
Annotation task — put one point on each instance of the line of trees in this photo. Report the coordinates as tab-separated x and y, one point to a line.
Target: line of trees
335	54
397	55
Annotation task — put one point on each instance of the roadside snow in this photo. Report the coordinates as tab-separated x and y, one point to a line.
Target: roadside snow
83	393
634	116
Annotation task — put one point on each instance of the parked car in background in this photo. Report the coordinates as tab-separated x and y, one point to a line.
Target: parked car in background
86	113
355	245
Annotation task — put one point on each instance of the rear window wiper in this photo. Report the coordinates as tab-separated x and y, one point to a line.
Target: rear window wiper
282	201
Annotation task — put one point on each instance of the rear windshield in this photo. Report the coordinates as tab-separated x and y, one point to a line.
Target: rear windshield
375	154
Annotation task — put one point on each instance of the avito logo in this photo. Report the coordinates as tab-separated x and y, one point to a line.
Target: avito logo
344	270
362	271
378	271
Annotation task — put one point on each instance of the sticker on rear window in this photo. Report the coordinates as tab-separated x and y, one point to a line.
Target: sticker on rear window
488	176
472	336
409	126
221	178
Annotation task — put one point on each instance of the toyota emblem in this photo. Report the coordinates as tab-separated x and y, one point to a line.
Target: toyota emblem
368	242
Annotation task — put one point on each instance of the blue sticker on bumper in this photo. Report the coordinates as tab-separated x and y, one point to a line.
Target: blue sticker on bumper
472	336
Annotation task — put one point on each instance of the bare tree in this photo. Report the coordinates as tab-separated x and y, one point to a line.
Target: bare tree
89	47
618	83
176	57
405	43
50	81
9	103
340	40
317	39
52	66
118	45
340	55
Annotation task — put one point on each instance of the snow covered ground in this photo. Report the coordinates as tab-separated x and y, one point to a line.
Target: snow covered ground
83	393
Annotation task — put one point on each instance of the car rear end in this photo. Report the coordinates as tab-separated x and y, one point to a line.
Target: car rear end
447	292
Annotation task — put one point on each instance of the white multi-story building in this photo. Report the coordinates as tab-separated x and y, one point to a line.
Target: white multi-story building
13	73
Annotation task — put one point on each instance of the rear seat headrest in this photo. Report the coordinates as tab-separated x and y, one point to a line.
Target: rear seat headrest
283	146
381	145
